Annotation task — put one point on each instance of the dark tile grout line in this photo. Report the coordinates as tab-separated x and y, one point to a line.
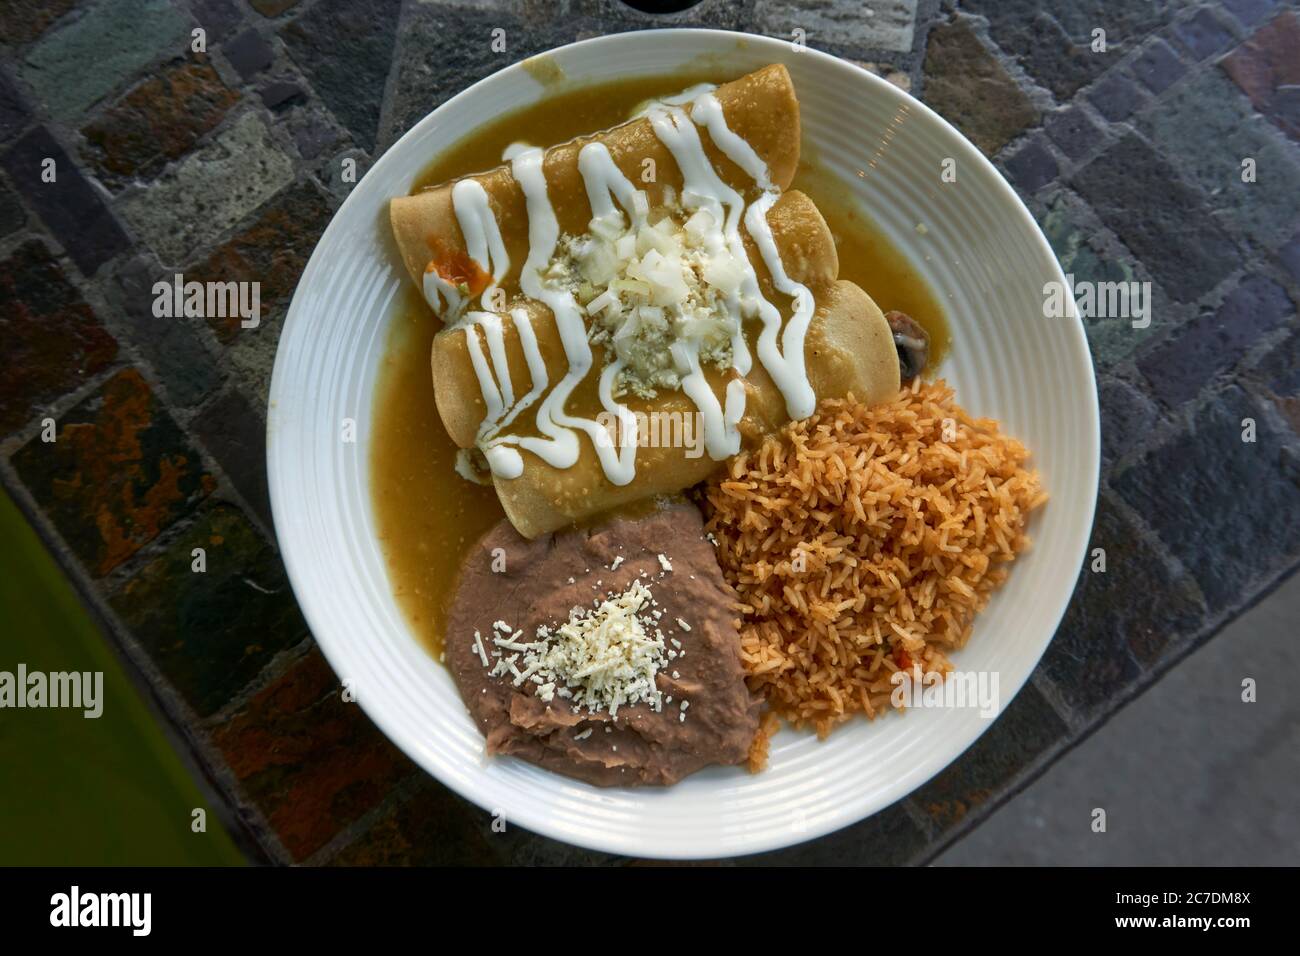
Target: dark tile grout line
407	790
281	663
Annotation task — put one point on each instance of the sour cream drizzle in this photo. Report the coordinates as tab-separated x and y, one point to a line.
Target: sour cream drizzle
608	190
561	451
784	363
483	245
703	189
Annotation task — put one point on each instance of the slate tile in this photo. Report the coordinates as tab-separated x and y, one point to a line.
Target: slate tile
1052	39
1024	730
119	38
1162	220
170	344
279	94
120	473
1116	96
22	21
249	53
273	250
1250	12
235	434
1267	68
272	8
69	206
969	87
1289	256
314	134
14	113
1219	503
346	50
888	838
429	71
1278	369
330	173
1265	207
1047	53
1127	417
12	215
219	17
1279	373
1121	619
889	27
312	762
1031	167
1210	344
1112	338
1203	34
210	191
53	341
159	121
210	632
1157	67
433	828
1073	131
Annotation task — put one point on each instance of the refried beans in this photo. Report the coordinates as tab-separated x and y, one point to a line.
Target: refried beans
706	715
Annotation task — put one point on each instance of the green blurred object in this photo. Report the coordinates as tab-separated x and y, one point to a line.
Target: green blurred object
79	791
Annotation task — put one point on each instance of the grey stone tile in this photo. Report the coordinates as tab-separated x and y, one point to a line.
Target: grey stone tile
171	345
69	206
210	191
1121	619
878	25
234	432
1158	67
1195	355
1207	130
346	50
1219	502
1164	222
89	56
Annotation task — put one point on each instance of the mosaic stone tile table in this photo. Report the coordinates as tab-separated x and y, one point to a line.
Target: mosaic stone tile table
1169	157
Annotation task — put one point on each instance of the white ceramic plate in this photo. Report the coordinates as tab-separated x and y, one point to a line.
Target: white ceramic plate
986	260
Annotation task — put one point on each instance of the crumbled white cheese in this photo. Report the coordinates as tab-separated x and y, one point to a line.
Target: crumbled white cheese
647	285
683	625
606	657
665	563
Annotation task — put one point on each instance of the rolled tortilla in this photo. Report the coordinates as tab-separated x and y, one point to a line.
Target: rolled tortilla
760	107
848	346
849	349
845	349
